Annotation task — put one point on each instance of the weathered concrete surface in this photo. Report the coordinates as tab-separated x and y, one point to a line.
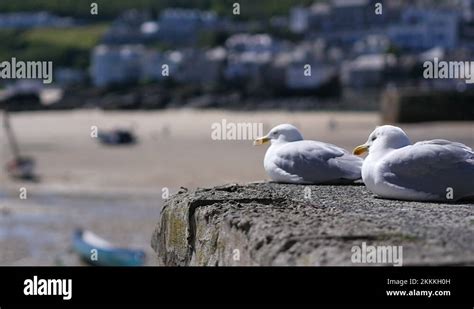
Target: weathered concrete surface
277	224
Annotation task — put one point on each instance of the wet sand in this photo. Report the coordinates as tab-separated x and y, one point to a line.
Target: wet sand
117	191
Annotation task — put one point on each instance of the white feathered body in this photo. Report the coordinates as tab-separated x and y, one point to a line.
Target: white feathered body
311	162
436	170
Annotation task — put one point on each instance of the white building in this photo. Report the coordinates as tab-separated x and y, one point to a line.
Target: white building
305	66
421	29
182	26
259	43
467	9
314	17
371	44
161	65
247	54
299	19
119	64
201	67
296	79
366	70
132	63
247	65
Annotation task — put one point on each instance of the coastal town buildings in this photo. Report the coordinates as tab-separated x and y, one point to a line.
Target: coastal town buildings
343	39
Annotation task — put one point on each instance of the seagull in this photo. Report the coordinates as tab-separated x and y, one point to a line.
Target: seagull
290	159
435	170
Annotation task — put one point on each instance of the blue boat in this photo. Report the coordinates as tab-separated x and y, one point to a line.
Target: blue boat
98	252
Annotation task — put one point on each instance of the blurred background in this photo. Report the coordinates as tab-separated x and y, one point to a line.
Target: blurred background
138	85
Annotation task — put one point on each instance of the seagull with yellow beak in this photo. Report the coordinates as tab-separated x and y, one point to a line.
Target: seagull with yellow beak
435	170
290	159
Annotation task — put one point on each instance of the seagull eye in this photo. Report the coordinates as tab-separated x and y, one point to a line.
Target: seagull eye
275	133
373	138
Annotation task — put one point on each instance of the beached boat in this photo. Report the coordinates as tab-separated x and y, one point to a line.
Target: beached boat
117	137
21	168
99	252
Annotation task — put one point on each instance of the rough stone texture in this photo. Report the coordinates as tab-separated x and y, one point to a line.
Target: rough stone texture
278	224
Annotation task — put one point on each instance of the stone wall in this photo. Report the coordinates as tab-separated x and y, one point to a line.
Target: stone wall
282	224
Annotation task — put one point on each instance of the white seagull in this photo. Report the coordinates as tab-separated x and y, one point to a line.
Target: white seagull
436	170
290	159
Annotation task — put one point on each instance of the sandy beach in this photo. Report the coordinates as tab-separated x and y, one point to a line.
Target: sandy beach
117	191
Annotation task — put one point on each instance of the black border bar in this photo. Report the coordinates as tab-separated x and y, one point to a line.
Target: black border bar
241	285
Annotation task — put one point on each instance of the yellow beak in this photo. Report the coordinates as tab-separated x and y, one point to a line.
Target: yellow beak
261	141
360	150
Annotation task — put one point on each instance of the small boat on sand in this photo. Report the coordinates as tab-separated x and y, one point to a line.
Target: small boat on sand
99	252
117	137
21	168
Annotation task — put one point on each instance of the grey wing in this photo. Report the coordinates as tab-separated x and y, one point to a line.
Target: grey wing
433	167
318	162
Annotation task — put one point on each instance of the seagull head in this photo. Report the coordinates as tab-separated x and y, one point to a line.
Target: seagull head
383	138
281	133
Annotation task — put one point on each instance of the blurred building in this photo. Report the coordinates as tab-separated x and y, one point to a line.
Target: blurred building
116	64
367	70
321	73
133	63
343	21
153	66
421	29
258	43
174	27
314	17
336	15
69	76
248	54
467	10
183	26
22	20
338	39
202	67
127	29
